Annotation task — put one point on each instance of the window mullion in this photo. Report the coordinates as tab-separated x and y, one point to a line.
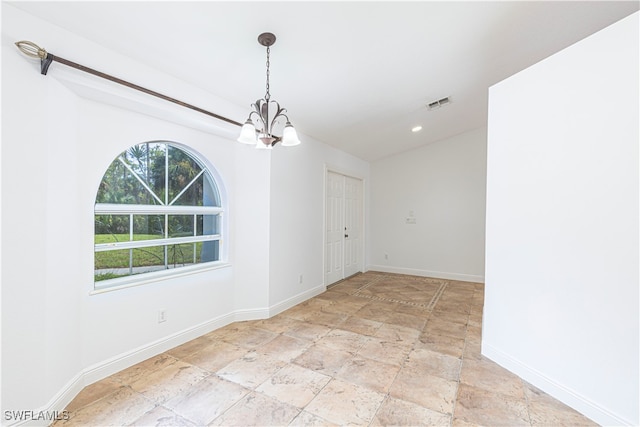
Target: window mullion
124	209
131	240
101	247
195	233
166	231
166	175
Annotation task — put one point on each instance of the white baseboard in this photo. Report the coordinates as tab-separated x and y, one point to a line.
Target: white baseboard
295	300
124	360
54	407
254	314
564	394
427	273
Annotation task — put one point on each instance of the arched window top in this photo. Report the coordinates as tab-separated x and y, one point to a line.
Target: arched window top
158	173
158	209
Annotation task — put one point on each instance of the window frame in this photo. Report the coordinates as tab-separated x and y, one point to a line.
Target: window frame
165	210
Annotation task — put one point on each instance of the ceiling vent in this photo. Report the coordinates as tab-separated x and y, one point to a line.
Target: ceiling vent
439	103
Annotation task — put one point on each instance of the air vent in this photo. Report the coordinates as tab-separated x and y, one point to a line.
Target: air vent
439	103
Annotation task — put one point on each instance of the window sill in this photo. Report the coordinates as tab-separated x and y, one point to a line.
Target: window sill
139	280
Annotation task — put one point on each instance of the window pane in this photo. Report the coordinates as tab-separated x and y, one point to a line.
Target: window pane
148	259
158	170
112	264
193	195
148	227
147	161
120	186
137	158
209	251
180	225
211	197
112	259
180	255
207	225
182	170
111	228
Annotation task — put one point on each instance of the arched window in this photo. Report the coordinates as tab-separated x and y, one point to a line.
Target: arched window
157	209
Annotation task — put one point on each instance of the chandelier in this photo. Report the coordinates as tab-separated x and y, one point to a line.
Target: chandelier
258	129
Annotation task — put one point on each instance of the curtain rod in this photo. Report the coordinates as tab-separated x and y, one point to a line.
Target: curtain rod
34	51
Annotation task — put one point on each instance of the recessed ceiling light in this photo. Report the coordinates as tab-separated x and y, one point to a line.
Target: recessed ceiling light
416	129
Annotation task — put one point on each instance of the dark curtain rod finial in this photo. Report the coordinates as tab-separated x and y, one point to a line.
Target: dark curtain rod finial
32	50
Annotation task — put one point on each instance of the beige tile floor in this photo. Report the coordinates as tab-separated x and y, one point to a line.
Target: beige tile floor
376	349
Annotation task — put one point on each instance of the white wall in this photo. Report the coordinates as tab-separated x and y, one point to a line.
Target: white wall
59	134
561	306
443	185
297	215
189	300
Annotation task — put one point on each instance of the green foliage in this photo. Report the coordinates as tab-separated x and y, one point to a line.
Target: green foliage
143	257
147	163
106	276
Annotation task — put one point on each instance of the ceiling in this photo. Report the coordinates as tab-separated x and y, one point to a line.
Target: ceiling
355	75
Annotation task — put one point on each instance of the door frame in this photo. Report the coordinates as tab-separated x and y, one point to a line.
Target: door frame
340	171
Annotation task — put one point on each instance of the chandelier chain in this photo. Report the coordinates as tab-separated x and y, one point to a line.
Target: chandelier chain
268	95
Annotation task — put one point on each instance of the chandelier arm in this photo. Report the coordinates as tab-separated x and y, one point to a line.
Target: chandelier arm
279	113
284	115
255	111
264	116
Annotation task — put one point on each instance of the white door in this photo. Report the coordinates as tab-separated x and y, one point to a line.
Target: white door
343	218
334	219
352	225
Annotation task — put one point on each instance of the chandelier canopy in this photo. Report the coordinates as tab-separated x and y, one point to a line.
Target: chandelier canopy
258	130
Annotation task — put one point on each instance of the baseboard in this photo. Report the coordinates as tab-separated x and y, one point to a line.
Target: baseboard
255	314
53	409
295	300
117	363
564	394
427	273
124	360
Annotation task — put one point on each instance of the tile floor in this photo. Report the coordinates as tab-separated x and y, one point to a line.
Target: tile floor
376	349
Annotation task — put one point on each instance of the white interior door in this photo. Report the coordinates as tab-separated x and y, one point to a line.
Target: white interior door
343	219
334	220
352	225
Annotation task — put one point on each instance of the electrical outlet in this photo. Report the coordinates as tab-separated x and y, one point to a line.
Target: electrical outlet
162	315
300	279
386	256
